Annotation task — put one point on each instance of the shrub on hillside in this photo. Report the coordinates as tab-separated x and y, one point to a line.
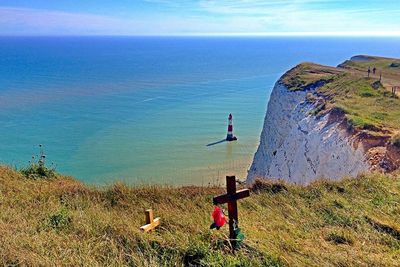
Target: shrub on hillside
37	168
59	221
340	238
396	140
394	65
260	185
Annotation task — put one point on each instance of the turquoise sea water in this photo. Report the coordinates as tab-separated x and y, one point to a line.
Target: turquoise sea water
142	110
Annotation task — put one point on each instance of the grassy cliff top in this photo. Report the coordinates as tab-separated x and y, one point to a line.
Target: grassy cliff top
368	103
63	222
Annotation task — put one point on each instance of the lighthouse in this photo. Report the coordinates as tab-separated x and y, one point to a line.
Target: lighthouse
230	136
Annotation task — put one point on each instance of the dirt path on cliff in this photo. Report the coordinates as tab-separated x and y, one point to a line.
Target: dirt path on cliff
388	79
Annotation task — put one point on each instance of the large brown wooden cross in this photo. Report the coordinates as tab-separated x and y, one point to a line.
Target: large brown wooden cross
231	197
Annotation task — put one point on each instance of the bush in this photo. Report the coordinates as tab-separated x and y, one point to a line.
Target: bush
195	255
369	90
379	115
38	169
367	94
317	109
396	140
261	185
340	238
59	220
394	65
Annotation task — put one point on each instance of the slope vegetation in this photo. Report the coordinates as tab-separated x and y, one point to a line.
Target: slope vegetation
60	221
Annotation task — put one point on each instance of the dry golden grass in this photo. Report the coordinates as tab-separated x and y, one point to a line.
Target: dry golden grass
63	222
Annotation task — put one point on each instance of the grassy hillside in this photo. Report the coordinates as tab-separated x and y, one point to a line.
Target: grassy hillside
367	102
60	221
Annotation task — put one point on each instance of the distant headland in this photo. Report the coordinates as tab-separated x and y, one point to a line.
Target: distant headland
331	122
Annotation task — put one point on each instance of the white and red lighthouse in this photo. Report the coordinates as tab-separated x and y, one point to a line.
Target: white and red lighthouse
230	136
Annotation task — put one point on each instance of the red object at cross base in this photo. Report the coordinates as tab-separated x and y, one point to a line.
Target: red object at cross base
219	217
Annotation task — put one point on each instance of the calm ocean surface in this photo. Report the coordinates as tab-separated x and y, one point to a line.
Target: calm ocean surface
142	110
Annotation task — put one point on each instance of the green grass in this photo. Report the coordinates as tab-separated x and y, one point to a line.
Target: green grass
365	107
60	221
360	122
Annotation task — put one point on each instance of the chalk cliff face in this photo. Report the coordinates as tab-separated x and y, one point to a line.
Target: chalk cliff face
298	146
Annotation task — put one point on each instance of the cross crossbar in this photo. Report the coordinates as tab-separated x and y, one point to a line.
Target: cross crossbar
151	223
228	198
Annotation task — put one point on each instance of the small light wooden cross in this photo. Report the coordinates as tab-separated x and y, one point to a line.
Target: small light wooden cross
231	197
394	89
150	222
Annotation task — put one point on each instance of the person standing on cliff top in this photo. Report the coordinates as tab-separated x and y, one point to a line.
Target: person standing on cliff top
369	71
373	70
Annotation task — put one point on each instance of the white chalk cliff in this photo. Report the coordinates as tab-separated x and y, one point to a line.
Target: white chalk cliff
298	146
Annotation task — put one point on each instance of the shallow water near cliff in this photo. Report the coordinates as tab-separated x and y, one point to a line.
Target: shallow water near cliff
142	110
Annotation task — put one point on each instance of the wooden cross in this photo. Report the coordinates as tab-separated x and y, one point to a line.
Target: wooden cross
231	197
150	222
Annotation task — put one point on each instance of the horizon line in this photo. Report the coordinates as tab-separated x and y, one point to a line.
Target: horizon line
225	34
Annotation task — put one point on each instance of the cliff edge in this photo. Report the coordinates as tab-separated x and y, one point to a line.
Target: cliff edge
331	122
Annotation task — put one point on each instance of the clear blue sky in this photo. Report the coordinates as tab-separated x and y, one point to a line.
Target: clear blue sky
199	17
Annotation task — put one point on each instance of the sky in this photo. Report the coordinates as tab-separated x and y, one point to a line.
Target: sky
200	17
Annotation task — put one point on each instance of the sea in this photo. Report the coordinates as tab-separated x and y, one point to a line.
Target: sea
149	110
